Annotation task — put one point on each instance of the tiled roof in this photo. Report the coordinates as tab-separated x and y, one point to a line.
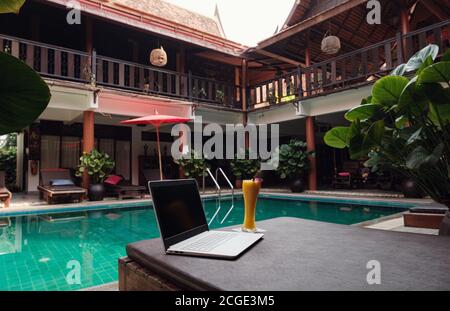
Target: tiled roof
175	14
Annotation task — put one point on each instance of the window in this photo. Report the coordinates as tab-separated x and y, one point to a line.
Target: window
70	152
107	146
50	147
123	153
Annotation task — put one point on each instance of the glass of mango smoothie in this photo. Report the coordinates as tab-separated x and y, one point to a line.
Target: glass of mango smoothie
251	189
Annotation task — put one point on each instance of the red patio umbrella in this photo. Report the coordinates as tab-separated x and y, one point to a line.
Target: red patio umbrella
157	120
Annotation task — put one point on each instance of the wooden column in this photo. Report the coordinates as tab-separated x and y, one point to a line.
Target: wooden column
405	27
310	132
88	139
311	146
243	85
89	34
35	21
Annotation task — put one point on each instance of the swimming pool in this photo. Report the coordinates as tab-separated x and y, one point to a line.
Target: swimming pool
38	252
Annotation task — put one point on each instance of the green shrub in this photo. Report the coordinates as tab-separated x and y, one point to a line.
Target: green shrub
98	165
192	165
8	164
245	168
293	159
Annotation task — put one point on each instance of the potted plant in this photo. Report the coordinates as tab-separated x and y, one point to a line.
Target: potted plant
243	167
193	165
220	96
271	96
293	163
405	124
98	165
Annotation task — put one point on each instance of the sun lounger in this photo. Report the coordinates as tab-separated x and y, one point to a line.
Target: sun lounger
124	189
58	194
5	194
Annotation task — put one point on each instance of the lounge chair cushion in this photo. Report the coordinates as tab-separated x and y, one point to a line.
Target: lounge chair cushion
61	182
113	180
429	210
344	174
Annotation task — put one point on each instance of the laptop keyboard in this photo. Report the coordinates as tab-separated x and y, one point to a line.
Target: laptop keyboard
209	242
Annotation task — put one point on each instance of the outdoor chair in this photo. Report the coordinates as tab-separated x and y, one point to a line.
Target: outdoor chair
5	194
349	176
57	186
118	187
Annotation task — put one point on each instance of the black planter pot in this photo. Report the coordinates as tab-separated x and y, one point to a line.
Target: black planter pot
298	186
96	192
411	190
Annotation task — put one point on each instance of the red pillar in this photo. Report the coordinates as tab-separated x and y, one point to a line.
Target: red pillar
88	139
310	132
311	146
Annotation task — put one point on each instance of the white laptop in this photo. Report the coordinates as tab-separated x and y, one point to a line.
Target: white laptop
183	227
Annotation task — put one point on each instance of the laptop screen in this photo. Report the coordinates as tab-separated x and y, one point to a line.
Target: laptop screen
179	210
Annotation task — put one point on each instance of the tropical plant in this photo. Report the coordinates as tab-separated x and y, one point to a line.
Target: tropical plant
193	165
198	92
23	93
11	6
98	165
243	167
293	159
405	124
220	96
8	164
271	96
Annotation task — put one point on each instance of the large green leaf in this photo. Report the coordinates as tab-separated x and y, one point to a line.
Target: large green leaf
363	112
387	90
420	156
429	52
337	137
411	99
23	94
446	56
11	6
439	72
399	71
436	94
374	135
441	112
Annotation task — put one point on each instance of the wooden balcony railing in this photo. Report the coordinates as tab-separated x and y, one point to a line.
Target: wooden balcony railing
350	70
66	64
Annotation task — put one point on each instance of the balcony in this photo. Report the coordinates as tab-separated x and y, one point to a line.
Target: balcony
70	65
351	70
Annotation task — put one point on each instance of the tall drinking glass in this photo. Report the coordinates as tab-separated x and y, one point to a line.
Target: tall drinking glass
251	190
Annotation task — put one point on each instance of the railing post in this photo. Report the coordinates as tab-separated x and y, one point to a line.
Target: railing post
399	48
300	84
94	68
190	85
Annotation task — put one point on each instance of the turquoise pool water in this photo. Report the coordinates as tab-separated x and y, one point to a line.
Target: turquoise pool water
39	252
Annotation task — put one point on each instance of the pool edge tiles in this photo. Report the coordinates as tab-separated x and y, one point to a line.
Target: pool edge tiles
90	206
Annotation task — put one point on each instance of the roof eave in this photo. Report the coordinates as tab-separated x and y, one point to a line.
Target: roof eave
125	15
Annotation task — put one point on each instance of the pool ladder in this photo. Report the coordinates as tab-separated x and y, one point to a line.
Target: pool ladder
219	191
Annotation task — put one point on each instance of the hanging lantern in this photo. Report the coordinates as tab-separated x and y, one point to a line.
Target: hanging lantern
331	44
158	57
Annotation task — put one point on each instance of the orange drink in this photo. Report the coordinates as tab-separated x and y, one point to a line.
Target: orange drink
250	188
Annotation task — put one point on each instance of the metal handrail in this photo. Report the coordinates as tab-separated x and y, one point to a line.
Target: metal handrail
232	191
219	191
